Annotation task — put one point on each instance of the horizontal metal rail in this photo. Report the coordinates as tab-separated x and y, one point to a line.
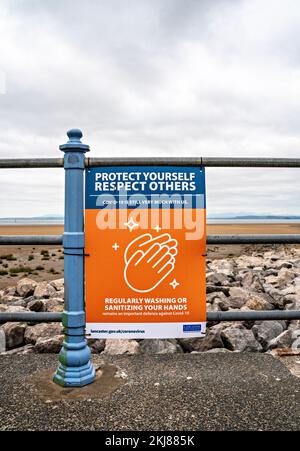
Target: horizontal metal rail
30	317
211	239
162	161
263	315
289	315
251	162
200	161
15	163
18	240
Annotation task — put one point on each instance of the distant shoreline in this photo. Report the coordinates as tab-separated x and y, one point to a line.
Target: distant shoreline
220	222
8	222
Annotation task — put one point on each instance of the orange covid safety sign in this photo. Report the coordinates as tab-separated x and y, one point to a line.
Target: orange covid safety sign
145	235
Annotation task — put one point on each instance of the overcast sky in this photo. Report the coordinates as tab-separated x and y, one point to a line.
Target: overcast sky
152	78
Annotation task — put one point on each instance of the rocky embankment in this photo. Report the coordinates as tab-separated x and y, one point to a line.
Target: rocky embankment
262	280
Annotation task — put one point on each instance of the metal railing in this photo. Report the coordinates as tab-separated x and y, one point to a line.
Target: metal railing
210	162
201	161
211	239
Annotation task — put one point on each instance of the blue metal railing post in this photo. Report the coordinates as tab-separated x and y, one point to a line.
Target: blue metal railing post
75	368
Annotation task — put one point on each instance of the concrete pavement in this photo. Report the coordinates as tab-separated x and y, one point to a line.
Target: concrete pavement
157	393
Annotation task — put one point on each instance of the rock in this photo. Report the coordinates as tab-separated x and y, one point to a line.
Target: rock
295	251
267	331
97	346
273	280
289	290
209	307
215	288
14	334
240	340
270	272
295	339
115	347
24	350
249	262
292	302
151	346
2	340
235	303
211	340
36	306
271	256
26	287
237	292
210	297
12	309
44	290
279	264
58	284
50	345
60	294
259	301
251	281
9	291
223	266
295	324
283	341
219	305
217	350
9	300
54	305
217	301
277	299
42	330
245	309
217	278
297	281
214	307
19	303
285	276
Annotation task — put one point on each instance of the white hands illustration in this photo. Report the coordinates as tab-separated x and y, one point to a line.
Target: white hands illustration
148	261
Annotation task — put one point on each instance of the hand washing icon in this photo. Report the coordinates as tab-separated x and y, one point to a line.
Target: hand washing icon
148	261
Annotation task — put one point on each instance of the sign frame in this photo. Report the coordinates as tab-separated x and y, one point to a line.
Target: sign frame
115	196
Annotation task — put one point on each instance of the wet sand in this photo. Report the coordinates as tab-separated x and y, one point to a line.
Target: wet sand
37	262
31	229
46	262
212	229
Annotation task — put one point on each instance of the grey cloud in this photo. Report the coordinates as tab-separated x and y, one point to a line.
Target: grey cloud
152	78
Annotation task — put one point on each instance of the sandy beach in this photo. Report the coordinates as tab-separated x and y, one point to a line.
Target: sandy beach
31	229
212	229
46	262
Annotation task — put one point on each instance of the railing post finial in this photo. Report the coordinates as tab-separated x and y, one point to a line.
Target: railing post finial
75	134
